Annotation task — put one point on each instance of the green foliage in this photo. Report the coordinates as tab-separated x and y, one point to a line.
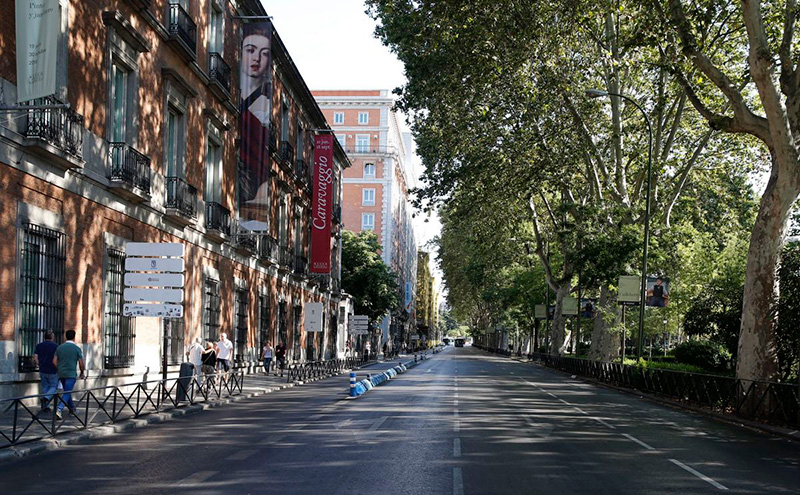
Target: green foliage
366	277
789	312
703	354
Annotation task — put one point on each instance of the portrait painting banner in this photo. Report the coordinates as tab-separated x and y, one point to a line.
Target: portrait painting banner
38	24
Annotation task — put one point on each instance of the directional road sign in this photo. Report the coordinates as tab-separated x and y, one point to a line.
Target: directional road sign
154	295
155	249
163	310
154	265
175	280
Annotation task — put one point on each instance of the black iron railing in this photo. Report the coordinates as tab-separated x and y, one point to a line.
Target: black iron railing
246	240
362	147
182	26
182	196
301	169
218	218
287	152
129	166
23	420
268	248
219	70
285	256
274	132
300	265
59	127
318	369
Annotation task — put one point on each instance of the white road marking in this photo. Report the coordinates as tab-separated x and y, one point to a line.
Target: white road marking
429	370
698	474
455	402
456	447
315	416
196	478
551	395
458	481
604	423
344	423
456	426
455	412
271	441
634	439
455	395
565	402
241	455
581	410
377	424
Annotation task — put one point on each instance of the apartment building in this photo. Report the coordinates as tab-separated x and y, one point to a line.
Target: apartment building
376	189
151	149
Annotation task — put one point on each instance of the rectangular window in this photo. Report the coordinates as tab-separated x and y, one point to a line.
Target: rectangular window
176	330
362	143
369	170
175	141
338	118
342	141
240	330
298	315
213	190
367	221
215	34
282	332
119	99
368	197
119	337
363	118
42	281
211	310
263	321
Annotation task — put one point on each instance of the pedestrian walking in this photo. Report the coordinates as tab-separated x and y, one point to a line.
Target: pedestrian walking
266	357
367	349
43	358
67	358
195	356
224	352
209	360
280	355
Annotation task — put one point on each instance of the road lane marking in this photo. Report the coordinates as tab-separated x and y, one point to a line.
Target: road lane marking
455	402
458	481
429	370
196	478
565	402
604	423
455	395
455	412
634	439
456	447
698	474
344	423
315	416
581	410
377	424
271	441
241	455
456	426
551	395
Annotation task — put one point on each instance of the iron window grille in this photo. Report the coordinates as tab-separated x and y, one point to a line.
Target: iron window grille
175	328
42	283
211	325
240	336
263	321
296	331
119	331
282	327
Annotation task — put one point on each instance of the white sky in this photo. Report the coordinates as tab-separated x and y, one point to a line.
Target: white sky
332	44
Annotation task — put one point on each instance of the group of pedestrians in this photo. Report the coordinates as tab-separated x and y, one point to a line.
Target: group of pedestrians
279	353
212	357
58	368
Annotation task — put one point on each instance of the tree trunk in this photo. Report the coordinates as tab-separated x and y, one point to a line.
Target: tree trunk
605	344
558	341
757	355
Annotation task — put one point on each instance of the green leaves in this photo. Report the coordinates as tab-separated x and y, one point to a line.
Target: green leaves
366	277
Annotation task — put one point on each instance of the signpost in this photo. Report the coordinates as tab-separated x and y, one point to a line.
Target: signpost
359	325
313	317
154	283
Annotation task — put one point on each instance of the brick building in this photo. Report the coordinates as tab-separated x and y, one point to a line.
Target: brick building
149	151
376	188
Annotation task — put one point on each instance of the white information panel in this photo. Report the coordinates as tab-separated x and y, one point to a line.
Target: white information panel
312	315
175	280
175	265
175	249
162	310
154	295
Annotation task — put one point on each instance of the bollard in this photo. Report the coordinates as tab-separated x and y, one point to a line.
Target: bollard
415	358
353	384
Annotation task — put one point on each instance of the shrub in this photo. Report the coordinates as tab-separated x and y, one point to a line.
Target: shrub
703	354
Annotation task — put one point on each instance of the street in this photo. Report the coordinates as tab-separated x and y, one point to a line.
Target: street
463	422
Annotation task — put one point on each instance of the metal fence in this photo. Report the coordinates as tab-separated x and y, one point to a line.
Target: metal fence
23	420
318	369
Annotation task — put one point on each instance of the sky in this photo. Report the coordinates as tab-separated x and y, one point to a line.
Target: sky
332	44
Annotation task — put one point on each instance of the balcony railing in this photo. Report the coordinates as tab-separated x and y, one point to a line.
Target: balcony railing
218	218
129	167
182	27
287	152
300	265
182	197
336	214
246	240
285	256
59	127
301	169
268	249
370	148
219	70
274	130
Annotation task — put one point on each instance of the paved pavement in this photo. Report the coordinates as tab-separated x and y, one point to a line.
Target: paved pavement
463	422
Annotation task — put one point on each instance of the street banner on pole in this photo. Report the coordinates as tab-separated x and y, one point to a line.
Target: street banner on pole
38	25
312	317
629	289
321	204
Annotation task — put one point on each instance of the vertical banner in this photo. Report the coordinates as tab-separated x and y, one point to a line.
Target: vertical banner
255	84
38	27
321	204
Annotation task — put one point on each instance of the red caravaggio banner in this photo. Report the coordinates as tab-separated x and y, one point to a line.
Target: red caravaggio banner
321	204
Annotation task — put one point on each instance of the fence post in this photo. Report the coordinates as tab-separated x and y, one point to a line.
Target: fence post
352	384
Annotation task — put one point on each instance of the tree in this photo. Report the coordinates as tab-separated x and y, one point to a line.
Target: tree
366	277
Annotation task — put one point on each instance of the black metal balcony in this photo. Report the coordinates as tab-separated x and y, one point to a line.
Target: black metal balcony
181	197
287	152
61	128
182	28
218	218
246	241
274	130
301	169
268	249
129	168
219	71
286	258
300	265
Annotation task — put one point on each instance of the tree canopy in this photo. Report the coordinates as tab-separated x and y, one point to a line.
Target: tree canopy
366	277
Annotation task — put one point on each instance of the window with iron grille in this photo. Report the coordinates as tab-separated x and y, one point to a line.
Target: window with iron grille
41	302
211	310
240	336
296	331
175	328
263	321
119	332
282	329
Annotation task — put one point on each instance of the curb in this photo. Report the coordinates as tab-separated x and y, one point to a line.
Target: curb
18	452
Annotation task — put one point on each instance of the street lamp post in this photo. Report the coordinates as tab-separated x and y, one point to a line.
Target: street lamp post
596	93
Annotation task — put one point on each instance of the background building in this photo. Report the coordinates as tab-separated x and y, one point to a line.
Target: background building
376	188
427	299
149	151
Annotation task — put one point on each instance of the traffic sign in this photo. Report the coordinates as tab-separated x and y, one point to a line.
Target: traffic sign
163	310
154	265
154	279
153	295
313	317
359	332
360	318
155	249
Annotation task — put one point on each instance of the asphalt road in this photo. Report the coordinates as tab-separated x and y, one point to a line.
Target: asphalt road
461	423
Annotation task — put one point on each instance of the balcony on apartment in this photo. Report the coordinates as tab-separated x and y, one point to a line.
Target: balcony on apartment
218	222
287	153
181	201
54	133
268	252
336	214
220	74
301	171
285	257
182	32
273	135
129	172
246	241
300	267
363	147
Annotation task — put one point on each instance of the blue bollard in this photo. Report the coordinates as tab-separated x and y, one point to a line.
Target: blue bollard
353	385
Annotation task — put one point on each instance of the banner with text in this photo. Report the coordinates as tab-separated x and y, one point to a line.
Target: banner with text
321	204
255	104
38	27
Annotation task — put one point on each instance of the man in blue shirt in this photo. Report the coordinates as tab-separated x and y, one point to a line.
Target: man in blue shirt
68	357
43	357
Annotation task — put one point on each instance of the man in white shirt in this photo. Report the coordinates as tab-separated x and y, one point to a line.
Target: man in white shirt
224	352
195	355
